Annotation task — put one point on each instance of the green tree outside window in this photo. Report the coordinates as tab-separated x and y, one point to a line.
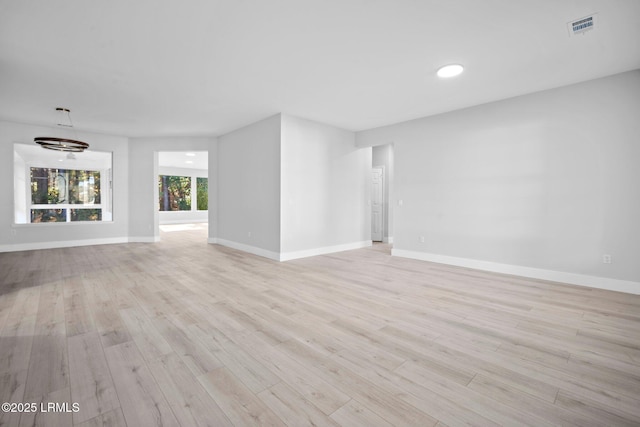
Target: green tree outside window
174	193
202	194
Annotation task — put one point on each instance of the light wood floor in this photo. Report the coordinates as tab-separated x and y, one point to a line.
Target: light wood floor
184	333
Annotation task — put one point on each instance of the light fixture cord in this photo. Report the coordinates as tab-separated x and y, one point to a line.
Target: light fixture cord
75	132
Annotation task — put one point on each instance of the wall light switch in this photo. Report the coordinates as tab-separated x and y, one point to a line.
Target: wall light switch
400	202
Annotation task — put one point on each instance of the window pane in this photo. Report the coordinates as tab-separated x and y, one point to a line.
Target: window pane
44	179
55	186
48	215
86	214
202	185
175	193
48	186
84	187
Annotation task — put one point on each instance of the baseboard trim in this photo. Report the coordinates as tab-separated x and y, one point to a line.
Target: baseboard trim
535	273
184	221
287	256
245	248
144	239
61	244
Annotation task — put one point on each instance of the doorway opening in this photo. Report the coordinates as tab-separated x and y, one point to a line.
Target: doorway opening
183	194
377	203
184	234
382	194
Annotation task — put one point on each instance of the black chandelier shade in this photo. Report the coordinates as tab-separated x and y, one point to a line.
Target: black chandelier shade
61	144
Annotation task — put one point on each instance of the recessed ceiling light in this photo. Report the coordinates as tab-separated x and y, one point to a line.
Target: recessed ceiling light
450	70
189	161
191	154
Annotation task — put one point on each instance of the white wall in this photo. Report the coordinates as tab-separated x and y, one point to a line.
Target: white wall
184	217
249	188
547	182
383	156
326	186
34	236
143	184
213	191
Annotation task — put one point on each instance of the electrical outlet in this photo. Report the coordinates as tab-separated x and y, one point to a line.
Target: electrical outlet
249	234
606	259
421	239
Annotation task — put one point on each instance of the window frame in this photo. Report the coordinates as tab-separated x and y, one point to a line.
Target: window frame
22	184
66	206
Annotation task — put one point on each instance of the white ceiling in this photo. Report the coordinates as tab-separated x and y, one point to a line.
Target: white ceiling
205	67
184	159
34	156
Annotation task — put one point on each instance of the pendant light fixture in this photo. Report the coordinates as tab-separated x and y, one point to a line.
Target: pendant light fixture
62	144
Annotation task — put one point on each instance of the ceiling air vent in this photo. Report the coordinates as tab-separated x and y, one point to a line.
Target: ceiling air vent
582	25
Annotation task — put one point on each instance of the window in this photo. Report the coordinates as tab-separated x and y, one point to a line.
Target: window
56	187
74	194
175	193
202	193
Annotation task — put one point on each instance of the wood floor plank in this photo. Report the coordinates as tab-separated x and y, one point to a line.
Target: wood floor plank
240	405
319	392
12	390
7	302
48	363
145	334
354	414
105	315
17	335
599	413
376	399
141	400
77	314
517	399
552	377
182	332
190	402
149	300
292	408
91	384
112	418
190	350
496	411
46	416
245	367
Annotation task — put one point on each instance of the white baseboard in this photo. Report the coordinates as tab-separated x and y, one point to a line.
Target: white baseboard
286	256
517	270
61	244
184	221
144	239
246	248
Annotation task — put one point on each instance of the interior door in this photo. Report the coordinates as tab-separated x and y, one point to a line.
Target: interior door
377	175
